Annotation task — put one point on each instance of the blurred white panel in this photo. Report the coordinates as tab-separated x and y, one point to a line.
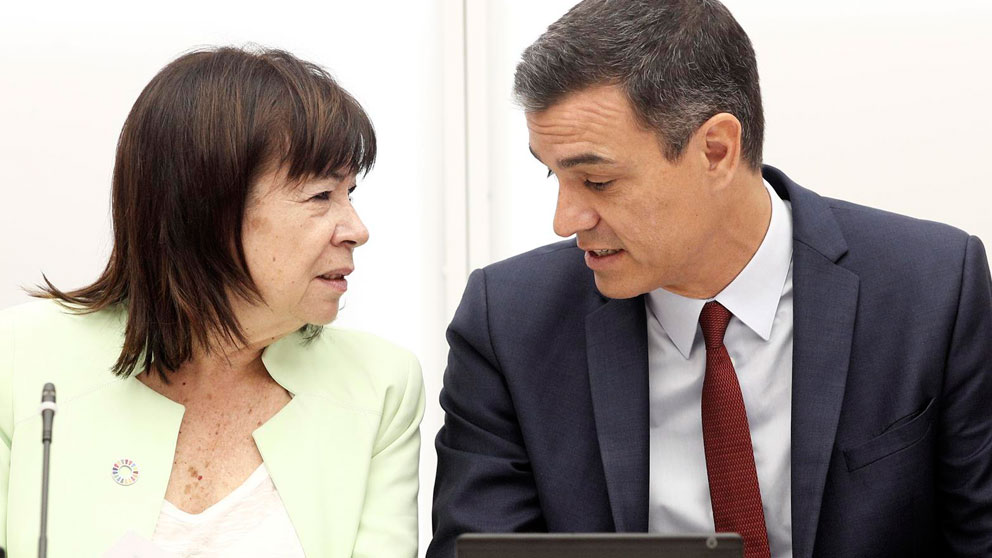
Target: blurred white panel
523	199
454	153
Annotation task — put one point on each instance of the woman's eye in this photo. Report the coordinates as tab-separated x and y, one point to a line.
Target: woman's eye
323	196
598	185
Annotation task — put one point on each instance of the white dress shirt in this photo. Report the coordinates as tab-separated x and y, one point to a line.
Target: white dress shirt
759	340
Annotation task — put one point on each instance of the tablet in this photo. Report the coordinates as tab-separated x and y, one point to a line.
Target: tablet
599	545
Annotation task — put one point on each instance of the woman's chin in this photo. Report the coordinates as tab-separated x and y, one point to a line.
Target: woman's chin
323	318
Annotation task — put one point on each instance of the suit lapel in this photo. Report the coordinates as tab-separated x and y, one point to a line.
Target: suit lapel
616	345
826	297
825	306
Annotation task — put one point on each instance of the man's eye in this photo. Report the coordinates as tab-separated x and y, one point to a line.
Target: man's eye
598	185
323	196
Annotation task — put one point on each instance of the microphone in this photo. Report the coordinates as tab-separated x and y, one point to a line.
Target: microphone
48	409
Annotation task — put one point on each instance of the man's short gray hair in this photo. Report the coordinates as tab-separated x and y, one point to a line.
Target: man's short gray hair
680	62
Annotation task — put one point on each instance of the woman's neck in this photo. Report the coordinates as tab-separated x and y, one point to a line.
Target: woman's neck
208	373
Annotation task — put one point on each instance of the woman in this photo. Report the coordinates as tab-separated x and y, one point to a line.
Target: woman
201	407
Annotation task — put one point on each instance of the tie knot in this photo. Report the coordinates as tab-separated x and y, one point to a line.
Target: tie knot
713	320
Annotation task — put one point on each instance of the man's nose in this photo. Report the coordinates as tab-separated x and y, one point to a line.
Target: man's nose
573	214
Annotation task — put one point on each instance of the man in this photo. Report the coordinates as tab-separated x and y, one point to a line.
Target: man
718	348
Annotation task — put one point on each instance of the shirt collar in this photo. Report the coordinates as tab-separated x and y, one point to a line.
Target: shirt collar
752	296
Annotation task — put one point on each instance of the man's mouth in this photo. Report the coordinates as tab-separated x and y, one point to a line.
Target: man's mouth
603	253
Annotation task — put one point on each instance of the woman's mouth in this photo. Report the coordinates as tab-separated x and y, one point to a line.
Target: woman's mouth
336	281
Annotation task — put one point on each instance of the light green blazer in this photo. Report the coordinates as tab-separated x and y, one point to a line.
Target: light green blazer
343	453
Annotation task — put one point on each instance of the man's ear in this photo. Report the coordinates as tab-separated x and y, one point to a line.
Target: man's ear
720	141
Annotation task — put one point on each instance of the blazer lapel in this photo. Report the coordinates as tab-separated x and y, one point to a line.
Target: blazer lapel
123	423
825	306
617	355
316	450
317	455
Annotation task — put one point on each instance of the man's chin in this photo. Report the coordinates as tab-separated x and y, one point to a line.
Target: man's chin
616	289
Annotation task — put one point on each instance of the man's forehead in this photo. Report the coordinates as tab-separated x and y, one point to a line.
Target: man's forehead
564	123
573	145
580	122
599	104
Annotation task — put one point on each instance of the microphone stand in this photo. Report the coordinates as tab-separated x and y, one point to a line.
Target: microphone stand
48	409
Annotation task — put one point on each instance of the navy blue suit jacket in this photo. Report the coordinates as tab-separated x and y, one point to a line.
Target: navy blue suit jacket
546	393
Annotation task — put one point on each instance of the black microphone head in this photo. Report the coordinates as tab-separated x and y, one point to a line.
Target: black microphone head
48	393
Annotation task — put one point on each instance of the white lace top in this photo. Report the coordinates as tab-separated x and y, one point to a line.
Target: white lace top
250	522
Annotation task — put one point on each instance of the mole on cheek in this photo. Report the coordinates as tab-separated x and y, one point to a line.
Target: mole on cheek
258	223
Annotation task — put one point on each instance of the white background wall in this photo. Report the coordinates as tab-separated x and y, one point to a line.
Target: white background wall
883	102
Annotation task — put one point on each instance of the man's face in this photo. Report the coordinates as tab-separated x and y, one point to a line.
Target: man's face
641	219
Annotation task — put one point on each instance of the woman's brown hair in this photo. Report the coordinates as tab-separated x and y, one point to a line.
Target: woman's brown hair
194	142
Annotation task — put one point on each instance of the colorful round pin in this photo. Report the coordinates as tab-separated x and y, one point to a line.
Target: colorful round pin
125	472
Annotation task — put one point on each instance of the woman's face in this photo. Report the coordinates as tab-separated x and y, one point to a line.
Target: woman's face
298	241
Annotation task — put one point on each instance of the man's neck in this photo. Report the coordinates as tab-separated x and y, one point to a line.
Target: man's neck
732	242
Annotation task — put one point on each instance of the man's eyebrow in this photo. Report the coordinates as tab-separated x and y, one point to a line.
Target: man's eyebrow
576	160
585	159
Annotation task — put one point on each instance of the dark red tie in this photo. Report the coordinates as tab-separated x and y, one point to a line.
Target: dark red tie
733	479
